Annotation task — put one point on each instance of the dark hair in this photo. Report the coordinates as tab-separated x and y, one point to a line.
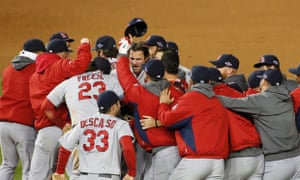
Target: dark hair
170	59
140	46
110	52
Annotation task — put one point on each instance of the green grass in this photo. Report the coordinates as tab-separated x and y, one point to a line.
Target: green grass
18	173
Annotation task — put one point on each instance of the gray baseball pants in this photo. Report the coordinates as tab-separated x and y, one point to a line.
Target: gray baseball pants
250	168
17	142
198	168
45	153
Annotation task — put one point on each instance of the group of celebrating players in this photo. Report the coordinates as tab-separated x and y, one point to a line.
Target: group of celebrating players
133	112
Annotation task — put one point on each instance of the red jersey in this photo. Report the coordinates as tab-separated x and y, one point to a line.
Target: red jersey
144	103
295	94
50	71
201	125
242	131
15	102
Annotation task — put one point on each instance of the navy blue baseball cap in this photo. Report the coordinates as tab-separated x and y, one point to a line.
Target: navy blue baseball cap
267	59
295	71
226	60
57	46
105	42
106	99
173	46
255	78
34	45
274	77
156	40
61	35
215	75
200	74
154	68
136	27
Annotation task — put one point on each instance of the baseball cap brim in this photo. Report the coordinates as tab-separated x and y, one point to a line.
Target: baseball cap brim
216	63
70	40
294	71
258	65
70	50
150	43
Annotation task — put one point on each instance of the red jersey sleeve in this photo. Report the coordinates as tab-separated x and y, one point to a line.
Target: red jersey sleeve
175	117
78	65
58	116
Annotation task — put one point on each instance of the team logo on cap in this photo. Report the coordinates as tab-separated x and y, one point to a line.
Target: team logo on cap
99	45
262	59
275	62
227	63
63	35
159	44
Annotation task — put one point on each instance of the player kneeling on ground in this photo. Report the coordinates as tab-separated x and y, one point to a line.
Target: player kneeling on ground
101	138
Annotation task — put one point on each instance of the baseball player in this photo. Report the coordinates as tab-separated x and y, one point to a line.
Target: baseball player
274	118
201	126
245	160
296	72
295	94
253	81
184	72
145	100
64	36
80	93
155	42
228	65
51	69
270	61
106	48
101	139
17	134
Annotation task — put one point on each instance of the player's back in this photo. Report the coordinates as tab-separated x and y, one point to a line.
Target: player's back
99	147
80	93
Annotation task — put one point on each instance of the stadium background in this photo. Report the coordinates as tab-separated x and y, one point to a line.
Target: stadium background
203	29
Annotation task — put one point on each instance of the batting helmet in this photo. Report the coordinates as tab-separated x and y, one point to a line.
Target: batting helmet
137	27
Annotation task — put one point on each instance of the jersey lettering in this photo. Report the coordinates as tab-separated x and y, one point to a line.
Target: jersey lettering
100	139
86	87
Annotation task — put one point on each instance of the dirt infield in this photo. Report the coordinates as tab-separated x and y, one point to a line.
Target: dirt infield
203	29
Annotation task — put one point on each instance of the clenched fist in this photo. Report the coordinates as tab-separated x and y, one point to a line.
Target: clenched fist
85	40
57	176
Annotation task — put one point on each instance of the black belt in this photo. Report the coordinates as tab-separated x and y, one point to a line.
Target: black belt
99	175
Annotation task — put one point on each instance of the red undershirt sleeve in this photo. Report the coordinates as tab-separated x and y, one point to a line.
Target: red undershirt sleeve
63	156
129	154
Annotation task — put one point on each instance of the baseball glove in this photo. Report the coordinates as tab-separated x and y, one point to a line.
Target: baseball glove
57	176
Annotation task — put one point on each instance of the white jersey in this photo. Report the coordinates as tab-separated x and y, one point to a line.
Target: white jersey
80	93
187	72
141	77
113	62
98	139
